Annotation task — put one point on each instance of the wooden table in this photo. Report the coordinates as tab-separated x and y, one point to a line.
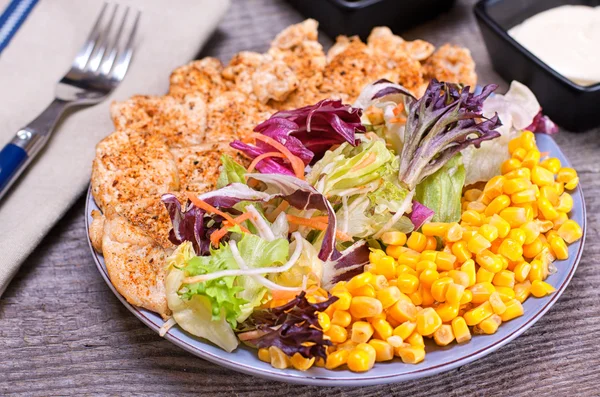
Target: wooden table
63	331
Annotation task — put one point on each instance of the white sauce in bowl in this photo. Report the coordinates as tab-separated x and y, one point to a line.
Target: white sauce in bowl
567	39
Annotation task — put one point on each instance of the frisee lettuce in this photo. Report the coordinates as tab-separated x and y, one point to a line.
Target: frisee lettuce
231	172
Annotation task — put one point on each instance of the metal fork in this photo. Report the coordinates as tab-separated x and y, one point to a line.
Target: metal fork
100	65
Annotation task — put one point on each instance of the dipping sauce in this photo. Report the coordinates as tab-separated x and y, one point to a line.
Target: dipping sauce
567	38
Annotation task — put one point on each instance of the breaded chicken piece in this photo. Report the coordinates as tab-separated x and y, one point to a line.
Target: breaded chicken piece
385	43
131	165
199	166
201	77
233	115
96	231
135	264
453	64
297	47
260	76
181	121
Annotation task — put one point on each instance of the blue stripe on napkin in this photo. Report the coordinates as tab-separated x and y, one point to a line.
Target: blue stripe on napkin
12	18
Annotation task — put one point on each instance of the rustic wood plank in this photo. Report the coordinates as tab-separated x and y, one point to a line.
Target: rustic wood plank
63	332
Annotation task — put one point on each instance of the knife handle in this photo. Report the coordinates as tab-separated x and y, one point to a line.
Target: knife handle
12	163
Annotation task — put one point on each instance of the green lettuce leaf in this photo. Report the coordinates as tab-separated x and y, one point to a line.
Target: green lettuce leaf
234	296
231	171
442	190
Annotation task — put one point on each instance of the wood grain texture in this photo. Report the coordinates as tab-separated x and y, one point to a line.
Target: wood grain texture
63	332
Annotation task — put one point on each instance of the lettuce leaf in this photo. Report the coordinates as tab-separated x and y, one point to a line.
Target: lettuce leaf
442	191
231	172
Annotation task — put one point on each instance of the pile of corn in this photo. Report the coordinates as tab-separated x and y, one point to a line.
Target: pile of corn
501	252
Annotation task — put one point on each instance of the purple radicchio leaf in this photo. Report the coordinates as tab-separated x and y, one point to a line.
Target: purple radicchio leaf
307	132
441	124
188	224
542	123
293	327
346	264
420	214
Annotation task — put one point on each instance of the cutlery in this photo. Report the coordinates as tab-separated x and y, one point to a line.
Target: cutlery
98	68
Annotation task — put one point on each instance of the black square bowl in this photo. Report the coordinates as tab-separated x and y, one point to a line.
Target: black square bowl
570	105
358	17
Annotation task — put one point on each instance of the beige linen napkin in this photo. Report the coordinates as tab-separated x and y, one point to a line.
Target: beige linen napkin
169	35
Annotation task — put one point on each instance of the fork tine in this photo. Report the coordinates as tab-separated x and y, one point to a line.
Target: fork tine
108	61
85	52
101	43
125	56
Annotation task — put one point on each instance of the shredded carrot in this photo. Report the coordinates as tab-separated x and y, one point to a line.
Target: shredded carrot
295	161
398	109
370	159
209	208
279	294
263	156
324	219
280	208
215	237
398	119
311	222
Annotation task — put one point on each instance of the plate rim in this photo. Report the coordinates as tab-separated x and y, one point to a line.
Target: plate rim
298	377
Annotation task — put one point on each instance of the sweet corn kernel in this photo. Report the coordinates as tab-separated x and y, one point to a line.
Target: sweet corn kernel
324	321
531	230
385	266
425	265
375	255
459	277
365	290
361	332
279	359
498	306
337	334
506	293
478	314
514	309
390	295
527	140
428	255
472	194
383	328
515	185
559	248
550	193
514	144
469	269
454	293
533	249
490	325
526	196
481	292
301	363
431	243
435	229
427	298
411	355
572	184
501	225
541	176
405	269
522	291
471	217
460	329
407	256
263	355
489	232
476	206
484	275
405	329
546	208
493	187
439	288
519	154
337	359
477	244
416	297
522	172
428	321
566	174
489	261
445	261
443	336
454	232
551	164
565	203
416	339
559	187
541	288
407	283
359	280
394	238
460	252
402	311
570	231
510	165
364	306
396	341
498	204
521	271
416	241
447	311
379	282
358	361
468	235
558	222
515	216
510	249
341	318
428	276
343	302
383	350
531	159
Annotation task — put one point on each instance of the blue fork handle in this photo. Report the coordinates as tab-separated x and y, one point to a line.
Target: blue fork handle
12	162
